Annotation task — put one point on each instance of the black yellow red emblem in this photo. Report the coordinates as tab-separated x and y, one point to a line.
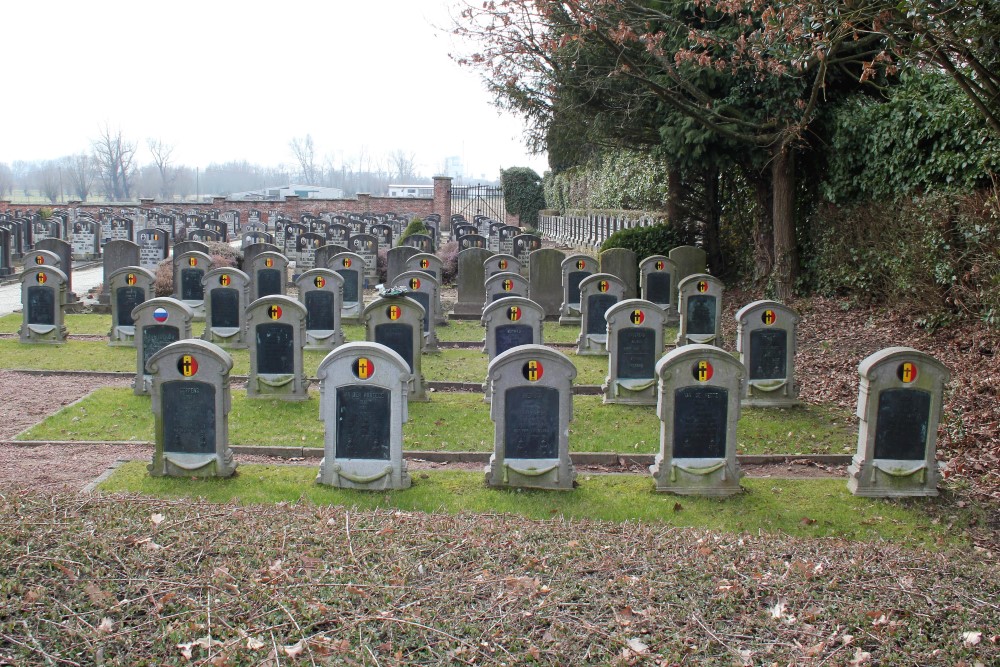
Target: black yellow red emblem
187	365
659	265
319	281
41	278
274	311
363	368
603	286
507	285
907	372
425	263
192	261
637	317
581	264
224	280
394	312
268	262
39	259
702	285
532	370
769	317
702	370
130	279
347	262
414	283
514	313
502	264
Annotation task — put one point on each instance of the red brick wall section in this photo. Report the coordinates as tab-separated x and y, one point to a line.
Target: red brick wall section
442	200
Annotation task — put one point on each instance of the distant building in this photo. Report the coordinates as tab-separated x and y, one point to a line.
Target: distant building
411	191
279	193
453	167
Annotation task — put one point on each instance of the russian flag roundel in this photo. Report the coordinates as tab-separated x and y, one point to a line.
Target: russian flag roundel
160	315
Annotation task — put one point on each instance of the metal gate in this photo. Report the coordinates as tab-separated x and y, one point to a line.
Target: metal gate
472	200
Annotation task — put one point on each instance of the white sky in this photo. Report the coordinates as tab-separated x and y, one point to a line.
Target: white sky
225	80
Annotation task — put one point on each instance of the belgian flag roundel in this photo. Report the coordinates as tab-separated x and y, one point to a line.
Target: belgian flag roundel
414	283
907	372
39	259
224	280
769	317
702	285
659	265
702	370
41	278
363	368
532	370
130	279
581	264
347	262
319	281
187	365
394	312
269	262
507	285
502	264
514	313
192	261
274	311
637	317
425	263
603	286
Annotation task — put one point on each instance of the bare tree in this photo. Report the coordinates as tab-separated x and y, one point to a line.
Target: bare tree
6	180
115	160
79	175
161	153
305	154
50	181
403	164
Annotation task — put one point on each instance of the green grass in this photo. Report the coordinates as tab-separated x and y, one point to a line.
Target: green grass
800	508
457	422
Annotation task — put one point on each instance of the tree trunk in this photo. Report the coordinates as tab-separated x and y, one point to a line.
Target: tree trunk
674	188
712	213
786	260
763	232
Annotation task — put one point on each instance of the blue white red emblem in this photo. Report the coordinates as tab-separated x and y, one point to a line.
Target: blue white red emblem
160	315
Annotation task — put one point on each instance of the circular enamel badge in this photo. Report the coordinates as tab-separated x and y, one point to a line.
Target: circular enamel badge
769	317
394	312
702	371
507	285
514	313
160	315
702	285
363	368
347	262
907	372
502	264
224	280
581	264
637	317
425	263
39	259
187	365
319	281
659	265
414	283
192	261
269	262
532	370
41	277
603	286
274	311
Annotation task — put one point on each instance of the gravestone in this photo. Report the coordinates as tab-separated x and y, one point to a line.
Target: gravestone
425	290
471	284
622	262
658	284
899	405
86	240
464	229
501	285
182	247
545	281
635	344
154	247
574	269
699	299
268	271
472	241
397	323
338	234
766	343
43	302
363	405
121	229
6	265
65	253
42	258
531	407
202	235
422	242
598	292
321	292
117	254
276	328
396	259
522	247
326	252
293	230
128	287
366	246
501	264
510	322
383	233
699	407
689	260
306	246
227	294
505	239
158	322
252	236
188	285
430	264
191	403
351	267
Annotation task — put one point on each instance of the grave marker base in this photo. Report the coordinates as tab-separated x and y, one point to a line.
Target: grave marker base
630	392
531	473
697	477
888	478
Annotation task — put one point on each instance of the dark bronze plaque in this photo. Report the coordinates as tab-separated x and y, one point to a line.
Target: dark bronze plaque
768	350
636	354
351	285
319	310
531	423
399	337
901	429
700	416
225	308
363	422
275	349
268	282
41	305
191	287
511	335
126	299
155	337
658	288
597	306
701	314
573	285
188	410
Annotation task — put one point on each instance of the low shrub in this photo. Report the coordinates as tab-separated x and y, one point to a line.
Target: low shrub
449	256
646	241
416	226
164	283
